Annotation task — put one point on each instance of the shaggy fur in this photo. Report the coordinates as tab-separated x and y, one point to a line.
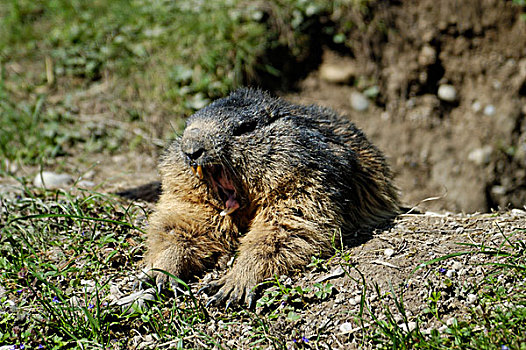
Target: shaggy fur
273	181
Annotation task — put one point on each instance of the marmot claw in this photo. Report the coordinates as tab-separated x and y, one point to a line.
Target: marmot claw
229	293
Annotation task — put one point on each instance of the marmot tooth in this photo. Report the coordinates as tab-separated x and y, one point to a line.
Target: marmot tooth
200	172
228	211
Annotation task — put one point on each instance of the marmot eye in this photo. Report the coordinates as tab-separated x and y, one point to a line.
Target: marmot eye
245	127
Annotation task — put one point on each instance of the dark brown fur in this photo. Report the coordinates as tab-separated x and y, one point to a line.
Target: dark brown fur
300	177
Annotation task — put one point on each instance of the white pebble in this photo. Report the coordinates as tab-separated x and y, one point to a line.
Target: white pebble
481	156
498	190
337	74
471	298
489	110
447	93
389	252
359	102
410	326
357	299
85	184
427	56
476	106
49	179
345	327
456	266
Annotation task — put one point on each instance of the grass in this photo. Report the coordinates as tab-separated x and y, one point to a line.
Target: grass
65	256
183	52
61	255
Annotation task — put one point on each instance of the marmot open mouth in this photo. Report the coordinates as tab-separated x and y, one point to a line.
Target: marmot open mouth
221	184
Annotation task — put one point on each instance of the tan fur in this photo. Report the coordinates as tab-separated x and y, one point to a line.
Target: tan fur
296	198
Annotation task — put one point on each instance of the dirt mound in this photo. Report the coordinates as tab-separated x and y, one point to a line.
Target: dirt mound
466	144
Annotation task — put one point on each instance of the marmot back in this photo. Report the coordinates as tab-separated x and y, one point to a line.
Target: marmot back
274	181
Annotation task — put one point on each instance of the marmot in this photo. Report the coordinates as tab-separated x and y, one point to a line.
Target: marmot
273	181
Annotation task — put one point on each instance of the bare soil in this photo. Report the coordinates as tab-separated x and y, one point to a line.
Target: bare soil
472	160
468	155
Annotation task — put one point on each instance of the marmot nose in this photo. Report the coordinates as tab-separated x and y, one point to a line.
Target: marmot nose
192	144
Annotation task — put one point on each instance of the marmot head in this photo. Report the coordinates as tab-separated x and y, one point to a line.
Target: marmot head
210	143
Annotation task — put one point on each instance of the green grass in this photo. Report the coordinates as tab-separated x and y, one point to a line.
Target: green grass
36	133
177	55
63	252
496	322
60	255
184	52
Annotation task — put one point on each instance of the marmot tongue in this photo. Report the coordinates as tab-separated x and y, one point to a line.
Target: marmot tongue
231	203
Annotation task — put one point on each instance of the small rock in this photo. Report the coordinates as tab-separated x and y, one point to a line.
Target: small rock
518	212
85	184
489	110
49	179
338	272
450	321
339	299
427	56
336	74
119	159
481	156
359	102
346	327
89	175
456	266
410	326
471	299
389	252
357	299
476	106
447	93
450	273
498	190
